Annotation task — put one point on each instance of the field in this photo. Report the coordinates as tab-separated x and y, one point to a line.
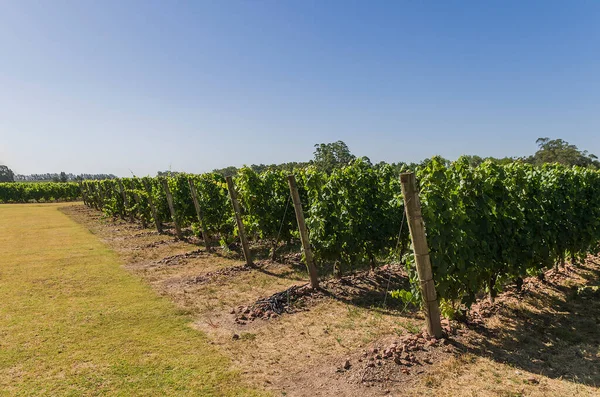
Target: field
95	305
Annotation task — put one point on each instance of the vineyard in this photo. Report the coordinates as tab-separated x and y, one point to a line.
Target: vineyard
510	283
487	226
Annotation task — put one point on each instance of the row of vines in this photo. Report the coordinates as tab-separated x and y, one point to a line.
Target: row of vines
43	192
353	214
486	226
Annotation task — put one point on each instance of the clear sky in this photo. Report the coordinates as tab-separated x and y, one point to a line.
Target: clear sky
113	86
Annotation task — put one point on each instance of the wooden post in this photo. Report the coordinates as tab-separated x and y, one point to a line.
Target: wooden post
238	219
157	222
308	255
199	213
165	184
416	226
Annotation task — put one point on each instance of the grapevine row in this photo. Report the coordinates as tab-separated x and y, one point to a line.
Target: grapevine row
11	192
486	225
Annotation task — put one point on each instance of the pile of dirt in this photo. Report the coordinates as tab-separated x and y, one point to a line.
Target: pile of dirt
291	300
393	361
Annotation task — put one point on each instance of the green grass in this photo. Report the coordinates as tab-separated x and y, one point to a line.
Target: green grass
74	322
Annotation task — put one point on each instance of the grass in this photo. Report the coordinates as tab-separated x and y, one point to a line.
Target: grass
74	322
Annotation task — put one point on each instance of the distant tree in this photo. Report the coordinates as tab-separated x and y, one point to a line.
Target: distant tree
232	171
228	171
6	174
63	177
475	160
560	151
167	173
57	177
332	155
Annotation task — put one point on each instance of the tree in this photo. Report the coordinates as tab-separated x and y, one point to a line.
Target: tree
228	171
63	177
167	173
560	151
6	174
475	160
329	156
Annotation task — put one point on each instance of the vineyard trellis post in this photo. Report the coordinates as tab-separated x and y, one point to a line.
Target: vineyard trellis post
157	222
194	193
165	184
308	254
238	219
416	227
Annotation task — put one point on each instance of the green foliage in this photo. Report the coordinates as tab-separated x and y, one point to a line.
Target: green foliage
11	192
182	201
450	309
138	199
260	168
214	203
487	224
112	200
407	297
329	156
265	199
495	222
560	151
56	177
475	160
354	214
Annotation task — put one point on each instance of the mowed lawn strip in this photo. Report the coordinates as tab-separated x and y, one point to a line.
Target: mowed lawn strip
74	322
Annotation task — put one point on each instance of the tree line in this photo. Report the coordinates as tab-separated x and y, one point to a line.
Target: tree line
7	175
329	156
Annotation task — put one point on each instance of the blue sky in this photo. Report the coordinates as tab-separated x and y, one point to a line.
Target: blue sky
114	86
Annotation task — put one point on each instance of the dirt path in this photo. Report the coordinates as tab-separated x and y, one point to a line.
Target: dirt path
74	322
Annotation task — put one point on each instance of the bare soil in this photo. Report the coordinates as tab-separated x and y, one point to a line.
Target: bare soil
351	338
